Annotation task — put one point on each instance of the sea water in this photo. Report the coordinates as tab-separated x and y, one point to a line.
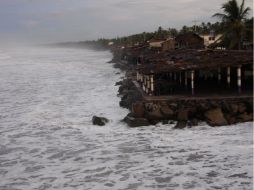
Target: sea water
47	141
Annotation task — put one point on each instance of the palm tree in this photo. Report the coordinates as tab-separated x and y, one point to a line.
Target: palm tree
233	19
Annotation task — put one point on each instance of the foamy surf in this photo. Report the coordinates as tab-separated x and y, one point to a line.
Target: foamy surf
48	97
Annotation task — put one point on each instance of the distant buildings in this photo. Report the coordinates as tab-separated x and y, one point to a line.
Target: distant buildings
162	45
189	40
110	43
211	38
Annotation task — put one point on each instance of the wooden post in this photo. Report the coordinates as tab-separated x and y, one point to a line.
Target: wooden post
186	79
180	78
205	76
219	75
152	84
239	80
148	84
192	82
144	83
228	76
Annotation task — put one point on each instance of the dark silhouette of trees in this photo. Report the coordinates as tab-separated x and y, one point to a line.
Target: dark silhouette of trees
234	21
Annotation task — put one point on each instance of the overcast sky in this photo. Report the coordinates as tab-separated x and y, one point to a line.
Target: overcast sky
74	20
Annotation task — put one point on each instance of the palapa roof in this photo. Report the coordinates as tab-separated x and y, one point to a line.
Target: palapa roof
182	60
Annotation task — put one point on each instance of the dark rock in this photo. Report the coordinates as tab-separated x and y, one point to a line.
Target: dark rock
203	107
249	106
193	123
231	119
164	122
245	117
129	98
233	108
117	65
182	115
214	104
118	83
138	109
163	103
171	122
154	115
150	107
241	108
180	125
226	107
192	111
136	122
167	112
101	121
215	117
173	106
111	61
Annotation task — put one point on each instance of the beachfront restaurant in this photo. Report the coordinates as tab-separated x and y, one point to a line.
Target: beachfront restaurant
198	73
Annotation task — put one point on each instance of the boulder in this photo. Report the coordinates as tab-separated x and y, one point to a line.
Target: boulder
182	115
154	115
226	107
173	106
118	83
136	122
215	117
167	112
150	107
101	121
245	117
249	106
163	103
203	107
129	98
180	125
241	108
233	108
116	65
164	122
214	104
138	109
192	112
231	119
193	123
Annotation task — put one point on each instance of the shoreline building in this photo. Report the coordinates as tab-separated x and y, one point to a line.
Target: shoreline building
211	38
198	72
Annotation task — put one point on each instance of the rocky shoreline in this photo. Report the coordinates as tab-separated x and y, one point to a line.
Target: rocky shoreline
185	113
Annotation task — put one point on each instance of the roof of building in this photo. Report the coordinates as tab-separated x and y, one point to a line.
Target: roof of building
187	36
181	60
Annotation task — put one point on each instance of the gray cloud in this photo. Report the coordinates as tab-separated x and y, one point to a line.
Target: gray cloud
63	20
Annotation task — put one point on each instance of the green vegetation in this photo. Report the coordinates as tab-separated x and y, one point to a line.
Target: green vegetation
162	33
236	28
234	20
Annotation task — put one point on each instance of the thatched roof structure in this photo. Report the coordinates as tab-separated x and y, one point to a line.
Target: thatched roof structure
182	60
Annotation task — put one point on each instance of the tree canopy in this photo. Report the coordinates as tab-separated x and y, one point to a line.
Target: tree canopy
234	18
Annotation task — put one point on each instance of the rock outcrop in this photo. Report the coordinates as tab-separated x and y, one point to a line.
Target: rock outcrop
182	118
100	121
215	117
216	112
136	122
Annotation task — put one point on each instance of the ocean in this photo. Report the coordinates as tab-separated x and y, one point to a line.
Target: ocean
48	97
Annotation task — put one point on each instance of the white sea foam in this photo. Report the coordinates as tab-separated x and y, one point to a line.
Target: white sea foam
47	99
